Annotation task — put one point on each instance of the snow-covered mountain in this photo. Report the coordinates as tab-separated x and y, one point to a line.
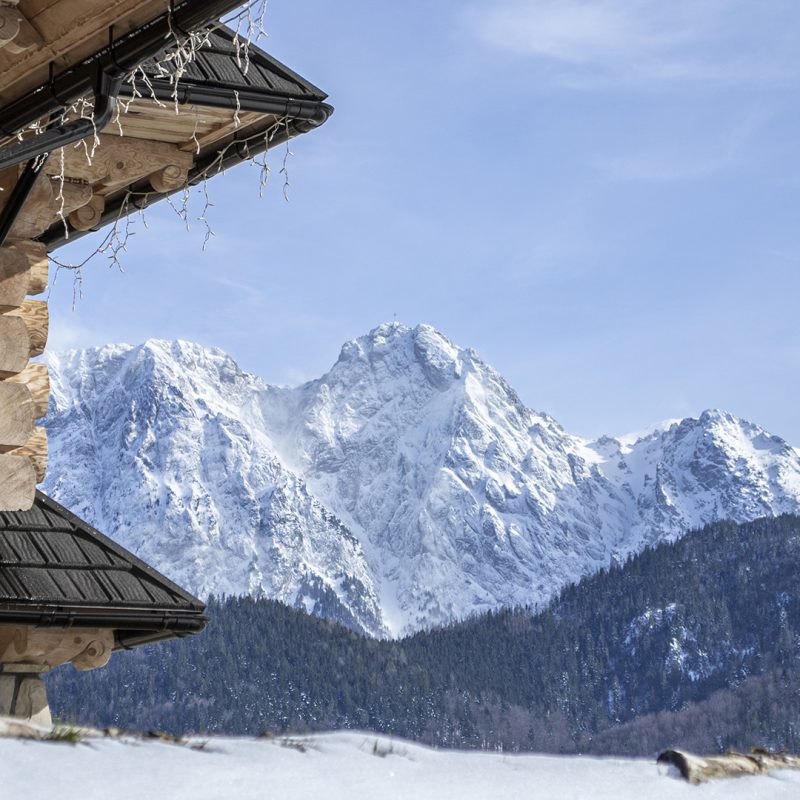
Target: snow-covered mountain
406	487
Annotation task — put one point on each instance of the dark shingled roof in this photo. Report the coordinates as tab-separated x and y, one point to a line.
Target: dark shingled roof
218	64
56	569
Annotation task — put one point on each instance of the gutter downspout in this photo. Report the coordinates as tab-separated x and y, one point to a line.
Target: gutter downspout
36	150
106	70
105	103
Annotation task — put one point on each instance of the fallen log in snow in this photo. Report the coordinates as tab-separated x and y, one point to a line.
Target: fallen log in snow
699	769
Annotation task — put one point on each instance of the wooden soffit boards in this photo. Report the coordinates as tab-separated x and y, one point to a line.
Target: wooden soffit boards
63	33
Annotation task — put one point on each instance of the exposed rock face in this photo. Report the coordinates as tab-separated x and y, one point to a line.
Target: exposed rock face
408	486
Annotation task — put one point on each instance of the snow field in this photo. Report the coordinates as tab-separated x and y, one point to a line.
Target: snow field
342	766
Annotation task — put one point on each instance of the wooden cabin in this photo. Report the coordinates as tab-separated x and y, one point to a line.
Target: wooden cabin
105	108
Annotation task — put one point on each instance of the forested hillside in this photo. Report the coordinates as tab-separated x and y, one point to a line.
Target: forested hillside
695	642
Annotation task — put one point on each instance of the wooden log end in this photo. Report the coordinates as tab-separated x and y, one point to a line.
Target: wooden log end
35	449
16	415
15	345
170	178
14	278
89	215
35	316
36	254
36	377
17	483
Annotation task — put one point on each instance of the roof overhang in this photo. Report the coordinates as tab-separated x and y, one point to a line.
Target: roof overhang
57	571
197	124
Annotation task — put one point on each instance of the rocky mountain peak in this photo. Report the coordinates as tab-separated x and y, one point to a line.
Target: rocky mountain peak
408	486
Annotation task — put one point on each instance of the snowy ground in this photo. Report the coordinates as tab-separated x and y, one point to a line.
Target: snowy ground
339	766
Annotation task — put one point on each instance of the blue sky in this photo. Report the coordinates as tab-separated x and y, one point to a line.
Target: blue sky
600	196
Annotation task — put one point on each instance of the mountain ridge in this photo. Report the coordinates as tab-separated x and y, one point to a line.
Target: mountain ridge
406	487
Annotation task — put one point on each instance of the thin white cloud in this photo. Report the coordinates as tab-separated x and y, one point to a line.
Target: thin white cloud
592	42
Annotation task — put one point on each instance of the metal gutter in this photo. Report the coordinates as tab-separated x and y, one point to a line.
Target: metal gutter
55	136
136	620
220	96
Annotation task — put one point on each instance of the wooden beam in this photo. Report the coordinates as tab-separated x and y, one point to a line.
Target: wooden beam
48	200
36	451
71	30
86	648
70	195
37	214
36	377
17	483
17	415
118	160
15	345
35	316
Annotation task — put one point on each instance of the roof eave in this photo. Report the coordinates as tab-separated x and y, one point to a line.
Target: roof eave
308	116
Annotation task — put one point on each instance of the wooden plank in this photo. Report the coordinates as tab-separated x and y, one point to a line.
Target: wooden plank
17	483
72	30
223	129
30	8
36	319
149	108
36	377
15	345
36	451
16	415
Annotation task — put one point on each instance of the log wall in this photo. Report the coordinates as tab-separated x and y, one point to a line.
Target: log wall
24	385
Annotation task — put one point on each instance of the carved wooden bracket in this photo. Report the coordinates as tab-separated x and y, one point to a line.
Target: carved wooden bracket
118	161
86	648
